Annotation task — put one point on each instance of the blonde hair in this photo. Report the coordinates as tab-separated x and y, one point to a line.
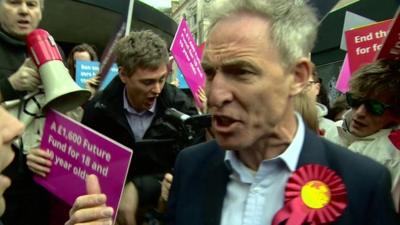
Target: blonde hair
307	109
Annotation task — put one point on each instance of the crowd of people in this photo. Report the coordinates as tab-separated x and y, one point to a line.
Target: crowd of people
269	131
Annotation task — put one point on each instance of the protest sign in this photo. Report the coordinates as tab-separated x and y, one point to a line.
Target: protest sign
85	70
77	151
391	46
364	43
342	83
186	55
181	79
88	69
352	20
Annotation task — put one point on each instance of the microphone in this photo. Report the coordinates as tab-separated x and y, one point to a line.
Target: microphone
199	121
196	121
176	115
188	129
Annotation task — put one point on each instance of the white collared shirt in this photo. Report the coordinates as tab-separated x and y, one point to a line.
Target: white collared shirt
139	122
254	197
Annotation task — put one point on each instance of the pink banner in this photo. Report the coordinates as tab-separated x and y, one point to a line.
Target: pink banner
78	151
363	43
186	54
342	83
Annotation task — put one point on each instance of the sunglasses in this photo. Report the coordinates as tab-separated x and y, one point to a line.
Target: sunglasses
374	107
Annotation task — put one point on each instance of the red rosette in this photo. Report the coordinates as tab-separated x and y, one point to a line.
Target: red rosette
394	137
314	195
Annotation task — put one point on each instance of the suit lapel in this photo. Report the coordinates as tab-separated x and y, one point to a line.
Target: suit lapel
313	151
215	189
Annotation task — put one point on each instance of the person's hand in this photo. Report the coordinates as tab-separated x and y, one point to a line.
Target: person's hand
91	209
26	78
39	161
203	99
165	187
175	82
93	84
128	206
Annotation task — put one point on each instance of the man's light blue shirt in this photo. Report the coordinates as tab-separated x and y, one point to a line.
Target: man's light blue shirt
139	122
254	197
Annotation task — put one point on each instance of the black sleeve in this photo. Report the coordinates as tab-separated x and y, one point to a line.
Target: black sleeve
149	189
8	92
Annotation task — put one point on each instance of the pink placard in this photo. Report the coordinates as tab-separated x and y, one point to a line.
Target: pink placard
78	151
342	83
364	43
186	54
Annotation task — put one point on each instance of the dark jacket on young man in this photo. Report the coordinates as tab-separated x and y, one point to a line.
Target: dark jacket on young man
150	159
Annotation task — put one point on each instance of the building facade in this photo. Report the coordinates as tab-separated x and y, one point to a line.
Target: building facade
196	14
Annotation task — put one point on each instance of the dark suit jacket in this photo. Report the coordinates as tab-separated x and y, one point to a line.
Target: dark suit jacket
201	177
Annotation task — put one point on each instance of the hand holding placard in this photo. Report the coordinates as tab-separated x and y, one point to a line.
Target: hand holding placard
77	151
39	161
91	208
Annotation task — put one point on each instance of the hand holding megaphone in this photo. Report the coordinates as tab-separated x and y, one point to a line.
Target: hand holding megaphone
26	78
62	93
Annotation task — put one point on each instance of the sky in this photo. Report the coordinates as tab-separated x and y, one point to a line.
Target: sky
158	3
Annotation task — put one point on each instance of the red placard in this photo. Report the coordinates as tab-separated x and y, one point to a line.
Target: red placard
365	42
391	46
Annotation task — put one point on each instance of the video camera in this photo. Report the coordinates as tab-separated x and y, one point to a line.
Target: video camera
175	131
188	128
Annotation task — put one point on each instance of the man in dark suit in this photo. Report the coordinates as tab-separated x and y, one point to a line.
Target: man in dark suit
265	167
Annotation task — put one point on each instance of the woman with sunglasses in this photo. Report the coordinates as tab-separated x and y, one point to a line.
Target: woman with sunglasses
374	100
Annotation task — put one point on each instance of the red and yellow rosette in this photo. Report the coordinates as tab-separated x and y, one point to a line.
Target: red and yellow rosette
314	195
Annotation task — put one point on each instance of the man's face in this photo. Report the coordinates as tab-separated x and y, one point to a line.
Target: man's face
248	90
10	128
19	17
144	86
363	123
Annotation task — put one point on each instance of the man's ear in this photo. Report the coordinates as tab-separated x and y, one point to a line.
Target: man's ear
122	74
302	71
